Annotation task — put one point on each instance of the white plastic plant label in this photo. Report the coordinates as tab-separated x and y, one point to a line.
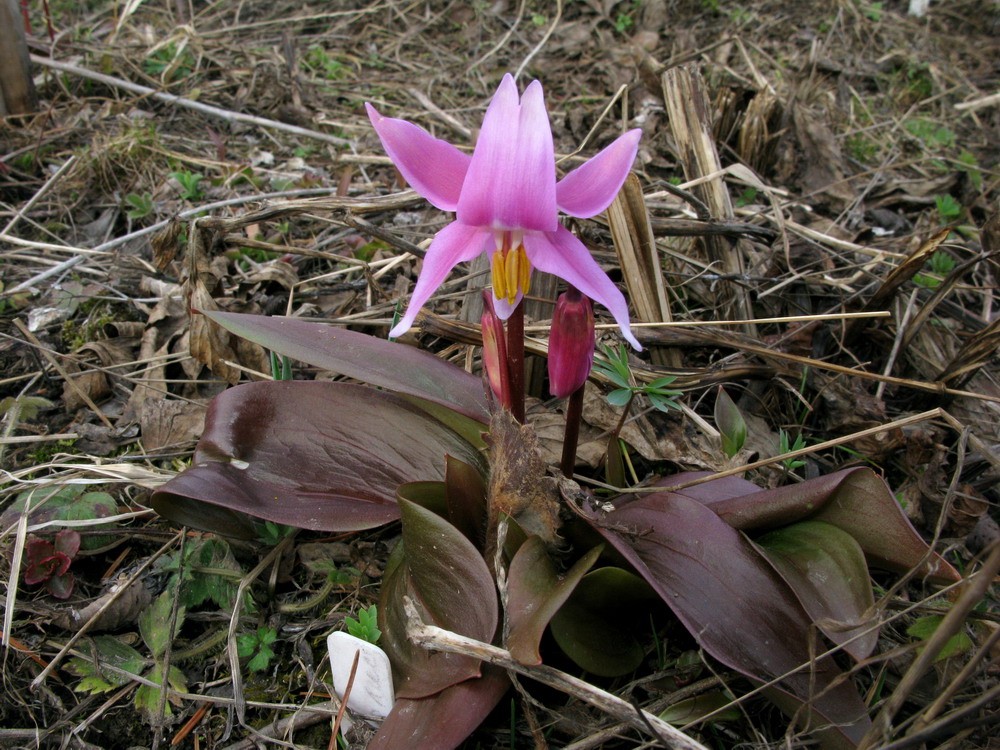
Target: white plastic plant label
371	694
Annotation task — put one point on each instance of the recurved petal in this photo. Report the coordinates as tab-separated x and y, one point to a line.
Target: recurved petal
511	183
590	188
505	309
563	255
433	167
454	244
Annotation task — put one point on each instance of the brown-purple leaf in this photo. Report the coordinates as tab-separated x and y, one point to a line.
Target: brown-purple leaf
444	720
730	600
444	575
315	455
398	367
855	500
536	592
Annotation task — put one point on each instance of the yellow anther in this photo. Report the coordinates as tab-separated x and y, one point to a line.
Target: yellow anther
524	270
513	274
497	271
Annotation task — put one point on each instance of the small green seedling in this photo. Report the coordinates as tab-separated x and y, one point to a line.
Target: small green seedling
616	368
941	265
258	646
366	626
189	184
142	205
783	447
948	208
732	426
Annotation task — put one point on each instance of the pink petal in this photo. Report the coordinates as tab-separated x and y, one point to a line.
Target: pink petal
434	168
511	182
563	255
452	245
590	188
505	309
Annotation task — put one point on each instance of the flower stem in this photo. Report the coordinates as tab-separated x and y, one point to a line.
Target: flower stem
574	413
515	357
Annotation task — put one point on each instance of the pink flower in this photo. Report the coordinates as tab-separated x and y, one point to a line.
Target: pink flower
571	343
507	201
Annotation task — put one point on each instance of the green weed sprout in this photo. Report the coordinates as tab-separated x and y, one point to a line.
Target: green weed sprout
732	426
784	447
142	205
189	184
617	369
257	644
366	626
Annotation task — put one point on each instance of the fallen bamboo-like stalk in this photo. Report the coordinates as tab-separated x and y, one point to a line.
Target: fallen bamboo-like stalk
434	638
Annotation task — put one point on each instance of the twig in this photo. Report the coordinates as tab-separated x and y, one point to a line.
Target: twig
899	423
976	587
434	638
71	382
206	109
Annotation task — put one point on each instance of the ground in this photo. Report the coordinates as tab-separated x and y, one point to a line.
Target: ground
860	148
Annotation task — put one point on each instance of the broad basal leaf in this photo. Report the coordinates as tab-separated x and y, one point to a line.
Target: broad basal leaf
397	367
438	569
536	592
442	721
826	569
325	456
597	626
730	600
855	500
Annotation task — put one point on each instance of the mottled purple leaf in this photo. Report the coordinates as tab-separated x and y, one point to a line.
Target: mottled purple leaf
855	500
536	592
398	367
826	569
316	455
730	600
465	496
448	581
444	720
596	627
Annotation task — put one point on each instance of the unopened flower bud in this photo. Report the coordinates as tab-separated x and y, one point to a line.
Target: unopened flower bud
571	343
495	351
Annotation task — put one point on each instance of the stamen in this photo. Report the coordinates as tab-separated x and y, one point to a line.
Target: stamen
513	274
524	268
497	272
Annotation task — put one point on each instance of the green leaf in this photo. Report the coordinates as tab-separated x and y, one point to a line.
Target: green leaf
693	709
154	623
597	625
261	660
65	503
105	650
826	569
729	420
660	383
147	698
619	397
366	626
925	627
